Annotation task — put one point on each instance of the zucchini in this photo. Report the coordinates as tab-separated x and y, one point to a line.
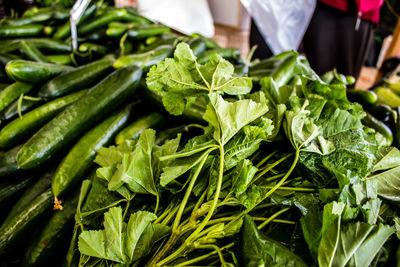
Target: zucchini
65	30
79	78
198	46
11	112
39	185
45	45
20	129
229	53
12	92
145	60
364	97
47	240
153	120
79	116
15	229
80	158
144	31
101	21
10	189
31	52
8	163
21	31
34	72
64	59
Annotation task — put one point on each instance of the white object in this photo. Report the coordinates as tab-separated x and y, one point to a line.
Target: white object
229	13
185	16
281	22
75	15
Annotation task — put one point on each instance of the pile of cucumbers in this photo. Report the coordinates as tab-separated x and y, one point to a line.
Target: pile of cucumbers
58	107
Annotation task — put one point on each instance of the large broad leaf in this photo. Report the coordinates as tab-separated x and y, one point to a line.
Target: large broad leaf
389	184
355	244
259	250
228	118
181	79
242	176
387	158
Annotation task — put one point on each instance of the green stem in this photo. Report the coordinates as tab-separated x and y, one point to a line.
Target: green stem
298	189
189	153
270	155
216	249
271	218
165	213
157	203
178	217
205	256
193	216
126	209
19	104
269	167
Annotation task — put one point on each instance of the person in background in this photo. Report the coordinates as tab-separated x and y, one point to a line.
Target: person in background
338	36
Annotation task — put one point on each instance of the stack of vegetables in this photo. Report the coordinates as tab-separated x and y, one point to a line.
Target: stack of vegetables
146	148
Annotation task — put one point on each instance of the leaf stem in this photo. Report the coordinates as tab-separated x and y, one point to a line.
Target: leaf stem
205	256
126	209
271	218
298	189
270	167
189	153
270	155
157	203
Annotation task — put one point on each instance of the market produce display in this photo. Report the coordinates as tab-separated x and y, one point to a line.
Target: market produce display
149	148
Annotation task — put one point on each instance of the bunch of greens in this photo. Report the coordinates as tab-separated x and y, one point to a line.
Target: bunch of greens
298	152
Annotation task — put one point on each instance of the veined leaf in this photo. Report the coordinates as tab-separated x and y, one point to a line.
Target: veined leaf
387	158
388	184
114	234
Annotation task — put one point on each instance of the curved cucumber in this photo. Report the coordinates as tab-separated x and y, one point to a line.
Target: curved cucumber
133	131
364	97
227	53
32	52
11	112
63	59
101	21
45	45
79	159
79	78
198	46
21	30
20	129
34	72
12	92
11	188
145	60
144	31
8	163
79	116
93	49
12	231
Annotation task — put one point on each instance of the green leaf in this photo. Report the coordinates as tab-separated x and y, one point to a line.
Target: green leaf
114	234
137	224
389	184
92	243
242	176
277	95
228	118
259	250
387	158
252	197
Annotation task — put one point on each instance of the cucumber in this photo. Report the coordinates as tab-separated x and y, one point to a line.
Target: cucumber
60	59
93	49
159	42
364	97
21	31
10	189
80	78
79	159
98	36
11	112
135	18
198	46
15	229
39	185
79	116
5	58
34	72
12	92
20	129
145	60
380	127
101	21
65	30
210	44
143	31
8	163
117	29
34	18
47	240
387	97
45	45
31	52
227	53
133	131
269	63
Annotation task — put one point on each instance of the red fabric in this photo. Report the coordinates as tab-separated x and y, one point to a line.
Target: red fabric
369	9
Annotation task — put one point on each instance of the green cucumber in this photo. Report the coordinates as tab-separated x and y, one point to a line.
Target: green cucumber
98	36
21	31
47	240
8	163
79	116
20	129
64	59
133	131
11	112
80	158
143	31
34	72
101	21
210	44
65	30
45	45
31	52
12	92
117	29
93	49
158	43
39	185
227	53
269	63
387	96
135	18
379	127
145	60
198	46
364	97
80	78
5	58
15	229
10	189
34	18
